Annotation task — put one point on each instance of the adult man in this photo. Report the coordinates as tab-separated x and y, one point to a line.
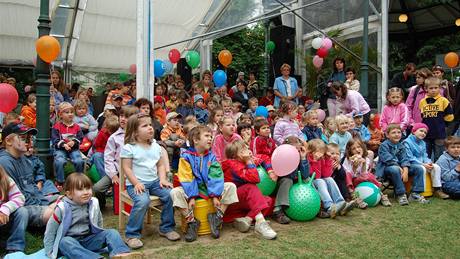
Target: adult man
406	79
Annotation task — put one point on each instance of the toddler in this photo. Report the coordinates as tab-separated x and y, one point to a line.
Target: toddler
85	120
286	126
262	144
342	135
227	135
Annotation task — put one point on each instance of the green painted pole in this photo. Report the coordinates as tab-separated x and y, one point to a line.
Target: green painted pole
364	63
267	58
43	94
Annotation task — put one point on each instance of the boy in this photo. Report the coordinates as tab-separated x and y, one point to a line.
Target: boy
66	137
450	167
201	114
338	174
172	103
394	165
206	182
436	111
173	136
262	144
29	111
360	128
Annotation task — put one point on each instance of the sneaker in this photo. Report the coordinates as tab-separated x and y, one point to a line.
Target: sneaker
192	230
323	214
133	255
441	195
332	211
402	199
171	235
385	201
134	243
418	198
280	217
340	206
349	206
215	222
242	224
361	204
264	229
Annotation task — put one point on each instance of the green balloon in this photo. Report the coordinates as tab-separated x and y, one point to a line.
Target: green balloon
123	77
93	174
266	185
68	169
193	59
270	46
304	201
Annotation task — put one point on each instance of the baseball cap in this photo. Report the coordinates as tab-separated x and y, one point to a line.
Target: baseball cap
357	114
16	128
197	97
270	108
116	96
109	107
173	115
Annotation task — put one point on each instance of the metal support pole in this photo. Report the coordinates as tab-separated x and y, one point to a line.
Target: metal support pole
385	41
267	57
43	93
364	63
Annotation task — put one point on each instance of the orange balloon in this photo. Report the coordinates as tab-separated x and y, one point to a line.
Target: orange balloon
48	48
451	59
225	57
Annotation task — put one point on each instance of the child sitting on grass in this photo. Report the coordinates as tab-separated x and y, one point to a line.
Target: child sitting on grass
449	162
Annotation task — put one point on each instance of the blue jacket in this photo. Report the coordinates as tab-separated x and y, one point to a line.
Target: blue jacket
39	175
184	111
448	164
416	150
304	168
281	86
314	133
363	132
391	154
201	115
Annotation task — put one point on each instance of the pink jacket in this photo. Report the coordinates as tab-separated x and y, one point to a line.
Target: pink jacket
354	103
219	144
285	128
394	114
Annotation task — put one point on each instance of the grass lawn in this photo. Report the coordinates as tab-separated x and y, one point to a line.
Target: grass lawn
410	231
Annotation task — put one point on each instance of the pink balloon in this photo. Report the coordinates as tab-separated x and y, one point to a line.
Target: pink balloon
9	99
285	159
321	114
327	43
132	69
317	61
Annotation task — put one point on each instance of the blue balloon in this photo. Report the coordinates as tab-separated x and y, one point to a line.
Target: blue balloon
219	78
261	111
158	68
168	66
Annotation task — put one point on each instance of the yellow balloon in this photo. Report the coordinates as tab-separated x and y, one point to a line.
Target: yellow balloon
48	48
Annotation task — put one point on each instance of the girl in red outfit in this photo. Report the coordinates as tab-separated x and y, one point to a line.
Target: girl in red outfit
263	144
240	168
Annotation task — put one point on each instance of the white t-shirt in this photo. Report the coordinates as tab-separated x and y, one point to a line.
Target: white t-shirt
288	87
145	161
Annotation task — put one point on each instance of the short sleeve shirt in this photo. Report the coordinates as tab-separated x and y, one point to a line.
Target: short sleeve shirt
145	161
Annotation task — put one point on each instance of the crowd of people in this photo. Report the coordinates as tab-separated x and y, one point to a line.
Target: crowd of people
201	142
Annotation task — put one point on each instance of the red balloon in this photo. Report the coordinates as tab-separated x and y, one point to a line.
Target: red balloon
174	56
322	52
9	99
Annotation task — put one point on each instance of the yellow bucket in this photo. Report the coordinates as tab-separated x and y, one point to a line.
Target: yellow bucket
202	209
428	188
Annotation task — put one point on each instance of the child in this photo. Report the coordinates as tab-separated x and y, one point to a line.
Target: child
227	106
198	181
201	113
253	103
82	94
144	164
341	136
245	132
75	229
29	111
109	110
449	162
66	137
311	129
184	106
241	169
86	121
111	125
13	216
416	153
286	126
173	136
300	114
436	111
333	202
329	127
360	128
216	115
339	175
158	111
395	110
236	110
227	135
172	103
394	165
376	135
262	144
284	183
52	112
145	106
358	166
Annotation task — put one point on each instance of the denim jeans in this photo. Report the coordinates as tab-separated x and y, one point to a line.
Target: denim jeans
141	204
394	174
98	159
16	226
328	191
452	188
86	247
60	159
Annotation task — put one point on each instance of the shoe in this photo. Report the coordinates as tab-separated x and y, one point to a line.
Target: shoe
171	235
134	243
133	255
349	206
332	211
280	217
361	204
215	222
441	195
242	224
192	230
264	229
418	198
385	201
340	206
402	199
323	214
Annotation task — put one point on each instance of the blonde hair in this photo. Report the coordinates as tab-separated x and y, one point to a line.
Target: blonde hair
232	149
315	145
111	123
221	122
132	127
308	115
80	104
432	81
283	66
81	91
253	100
328	121
340	119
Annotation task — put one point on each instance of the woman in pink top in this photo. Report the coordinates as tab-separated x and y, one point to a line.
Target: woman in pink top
352	101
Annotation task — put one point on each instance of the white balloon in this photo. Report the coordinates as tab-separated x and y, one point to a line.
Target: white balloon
317	43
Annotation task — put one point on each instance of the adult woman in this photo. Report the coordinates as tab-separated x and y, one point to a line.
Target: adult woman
253	85
242	96
416	94
351	101
352	83
286	87
333	107
58	84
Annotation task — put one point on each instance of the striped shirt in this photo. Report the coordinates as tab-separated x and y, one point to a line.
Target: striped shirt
15	199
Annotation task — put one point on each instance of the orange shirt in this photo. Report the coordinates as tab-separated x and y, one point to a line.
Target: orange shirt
30	116
160	114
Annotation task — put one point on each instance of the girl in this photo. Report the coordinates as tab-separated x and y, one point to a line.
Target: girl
85	120
351	83
82	94
58	89
358	166
395	110
75	229
145	163
245	132
213	123
322	167
145	106
416	94
342	135
13	216
241	169
329	127
300	113
227	135
311	129
287	126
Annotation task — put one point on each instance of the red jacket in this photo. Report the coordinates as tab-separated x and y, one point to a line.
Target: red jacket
61	134
262	145
239	173
323	167
101	140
